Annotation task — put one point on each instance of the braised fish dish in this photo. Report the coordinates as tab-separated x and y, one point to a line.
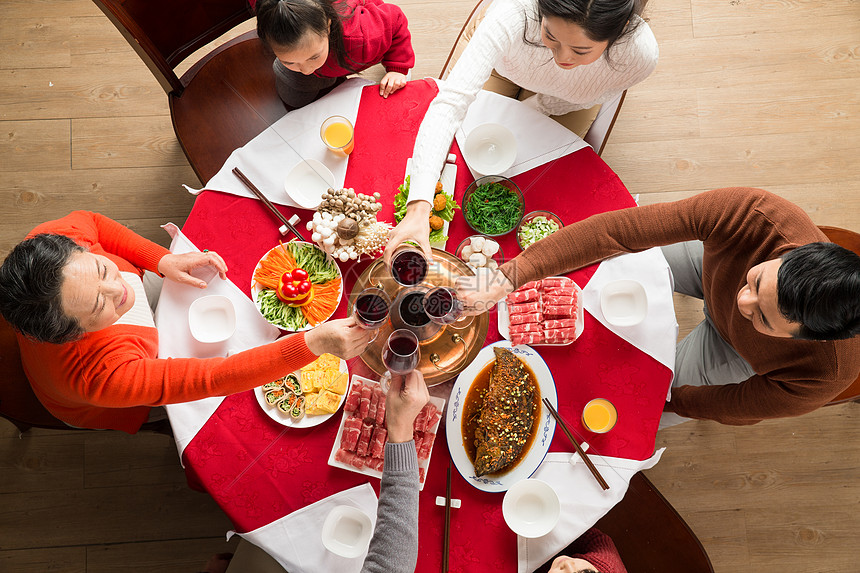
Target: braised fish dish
504	424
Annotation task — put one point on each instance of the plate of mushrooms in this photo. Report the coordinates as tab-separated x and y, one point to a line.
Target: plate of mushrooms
345	225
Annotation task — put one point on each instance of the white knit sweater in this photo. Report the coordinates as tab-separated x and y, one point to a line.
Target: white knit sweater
498	43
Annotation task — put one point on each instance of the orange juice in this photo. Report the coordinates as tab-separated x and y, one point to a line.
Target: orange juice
339	136
599	416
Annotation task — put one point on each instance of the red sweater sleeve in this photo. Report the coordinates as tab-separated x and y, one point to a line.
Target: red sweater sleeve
121	372
103	235
598	549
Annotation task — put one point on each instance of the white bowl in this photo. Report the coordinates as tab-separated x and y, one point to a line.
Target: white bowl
624	302
212	318
347	531
490	149
306	183
531	508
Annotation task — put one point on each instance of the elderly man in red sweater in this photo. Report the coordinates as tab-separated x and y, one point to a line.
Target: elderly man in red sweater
782	304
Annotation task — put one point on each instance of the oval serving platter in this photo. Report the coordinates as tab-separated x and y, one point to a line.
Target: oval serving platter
546	427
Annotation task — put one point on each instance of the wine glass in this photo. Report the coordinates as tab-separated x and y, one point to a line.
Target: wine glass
400	355
409	266
444	307
371	308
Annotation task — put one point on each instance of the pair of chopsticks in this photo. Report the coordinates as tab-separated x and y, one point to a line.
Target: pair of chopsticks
447	541
576	445
253	189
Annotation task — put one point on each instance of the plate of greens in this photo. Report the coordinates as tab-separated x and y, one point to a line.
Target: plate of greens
296	286
493	205
444	204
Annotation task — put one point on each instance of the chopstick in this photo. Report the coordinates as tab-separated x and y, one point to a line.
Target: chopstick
447	542
253	188
576	445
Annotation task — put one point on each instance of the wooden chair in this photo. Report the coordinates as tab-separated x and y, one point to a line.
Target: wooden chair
851	241
598	133
226	98
650	535
18	403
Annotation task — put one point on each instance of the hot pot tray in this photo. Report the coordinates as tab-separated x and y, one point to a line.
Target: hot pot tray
448	352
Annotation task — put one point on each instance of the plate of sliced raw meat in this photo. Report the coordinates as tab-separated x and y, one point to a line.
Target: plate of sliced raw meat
359	445
547	312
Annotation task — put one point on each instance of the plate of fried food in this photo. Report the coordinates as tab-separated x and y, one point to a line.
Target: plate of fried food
497	426
307	397
443	203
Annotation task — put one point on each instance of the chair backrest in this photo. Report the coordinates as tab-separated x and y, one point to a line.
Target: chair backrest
18	403
165	32
649	534
851	241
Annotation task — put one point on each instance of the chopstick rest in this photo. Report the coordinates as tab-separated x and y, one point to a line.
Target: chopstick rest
455	503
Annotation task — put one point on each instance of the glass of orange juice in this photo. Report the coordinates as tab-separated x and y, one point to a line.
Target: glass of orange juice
599	416
338	135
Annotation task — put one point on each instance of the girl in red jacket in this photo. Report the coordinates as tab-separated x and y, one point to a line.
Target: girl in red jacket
318	41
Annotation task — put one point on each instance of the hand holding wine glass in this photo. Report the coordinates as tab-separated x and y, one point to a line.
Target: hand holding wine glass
371	308
400	355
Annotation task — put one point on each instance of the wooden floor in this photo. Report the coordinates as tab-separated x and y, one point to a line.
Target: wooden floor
747	92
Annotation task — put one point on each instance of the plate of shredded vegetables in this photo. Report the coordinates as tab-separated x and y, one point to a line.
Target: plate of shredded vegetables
444	204
493	205
296	286
536	226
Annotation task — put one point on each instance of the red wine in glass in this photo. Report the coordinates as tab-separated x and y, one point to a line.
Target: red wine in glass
444	307
400	354
408	266
371	308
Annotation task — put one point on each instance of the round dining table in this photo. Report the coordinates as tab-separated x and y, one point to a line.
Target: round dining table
259	471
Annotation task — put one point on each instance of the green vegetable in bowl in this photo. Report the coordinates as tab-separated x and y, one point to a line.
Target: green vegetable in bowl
493	209
535	230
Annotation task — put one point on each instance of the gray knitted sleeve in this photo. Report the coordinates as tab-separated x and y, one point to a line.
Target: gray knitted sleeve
394	546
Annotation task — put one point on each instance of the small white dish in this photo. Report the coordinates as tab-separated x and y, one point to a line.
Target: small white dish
306	183
347	531
531	508
490	149
624	302
212	318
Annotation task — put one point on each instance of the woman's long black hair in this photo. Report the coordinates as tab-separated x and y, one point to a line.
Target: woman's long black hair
601	20
284	23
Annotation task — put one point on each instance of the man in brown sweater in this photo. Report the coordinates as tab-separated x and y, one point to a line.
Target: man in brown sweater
782	305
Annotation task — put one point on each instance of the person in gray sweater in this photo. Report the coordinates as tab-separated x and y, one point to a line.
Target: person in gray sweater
394	545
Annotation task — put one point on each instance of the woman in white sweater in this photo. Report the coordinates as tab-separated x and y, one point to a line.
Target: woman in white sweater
562	57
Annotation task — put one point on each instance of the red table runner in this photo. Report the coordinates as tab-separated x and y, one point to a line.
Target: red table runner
260	471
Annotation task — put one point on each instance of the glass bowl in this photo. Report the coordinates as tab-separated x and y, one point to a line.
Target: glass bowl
516	216
499	257
548	215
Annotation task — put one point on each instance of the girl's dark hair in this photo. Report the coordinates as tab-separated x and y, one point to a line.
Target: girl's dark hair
601	20
818	286
284	23
30	281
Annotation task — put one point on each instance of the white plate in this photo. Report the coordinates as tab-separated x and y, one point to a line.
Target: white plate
212	318
306	183
623	302
256	288
448	179
546	427
305	421
438	402
504	321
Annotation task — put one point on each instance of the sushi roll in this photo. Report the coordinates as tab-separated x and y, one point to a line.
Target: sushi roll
298	409
285	405
279	383
293	385
272	396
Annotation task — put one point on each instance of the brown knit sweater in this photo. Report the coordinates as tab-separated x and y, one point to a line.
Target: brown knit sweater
740	228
